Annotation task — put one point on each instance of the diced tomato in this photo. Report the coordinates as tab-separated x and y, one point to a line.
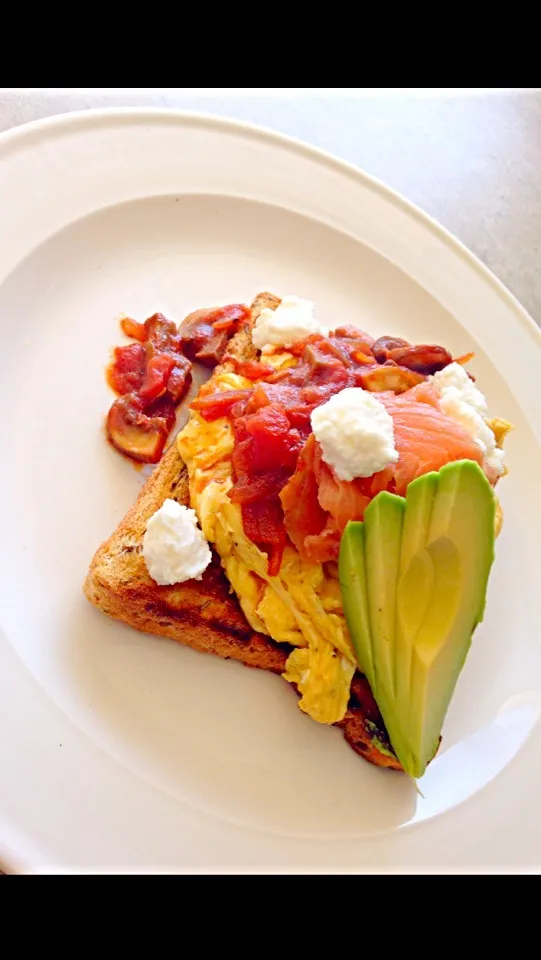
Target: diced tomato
133	329
242	457
264	443
157	374
228	318
249	489
127	370
270	418
314	395
253	370
179	379
275	444
300	419
225	324
238	410
335	347
230	314
287	398
298	348
261	396
219	404
264	521
265	393
318	375
263	524
275	554
278	375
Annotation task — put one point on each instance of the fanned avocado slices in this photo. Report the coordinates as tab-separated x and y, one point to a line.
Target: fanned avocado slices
414	576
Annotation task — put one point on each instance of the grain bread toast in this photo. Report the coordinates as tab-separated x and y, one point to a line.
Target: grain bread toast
203	614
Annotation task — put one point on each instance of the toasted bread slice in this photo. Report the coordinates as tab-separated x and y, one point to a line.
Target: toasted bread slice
203	614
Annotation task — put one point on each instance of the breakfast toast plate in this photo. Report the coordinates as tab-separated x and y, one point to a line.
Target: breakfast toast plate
122	752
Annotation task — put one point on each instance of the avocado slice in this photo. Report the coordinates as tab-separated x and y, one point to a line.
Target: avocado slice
353	587
414	584
383	521
414	576
368	590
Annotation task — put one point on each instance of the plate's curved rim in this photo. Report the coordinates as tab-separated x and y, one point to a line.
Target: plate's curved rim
19	136
29	135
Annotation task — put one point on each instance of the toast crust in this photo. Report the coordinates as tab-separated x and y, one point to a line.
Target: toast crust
204	614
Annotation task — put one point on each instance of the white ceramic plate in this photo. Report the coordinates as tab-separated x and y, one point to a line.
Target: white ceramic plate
119	751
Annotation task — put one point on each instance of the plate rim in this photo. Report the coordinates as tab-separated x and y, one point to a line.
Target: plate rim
15	137
22	135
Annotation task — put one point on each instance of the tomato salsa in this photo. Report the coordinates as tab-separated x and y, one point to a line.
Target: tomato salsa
277	466
284	489
153	375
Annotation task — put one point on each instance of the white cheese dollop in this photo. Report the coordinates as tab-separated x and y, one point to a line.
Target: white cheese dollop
356	434
461	400
292	320
455	377
174	548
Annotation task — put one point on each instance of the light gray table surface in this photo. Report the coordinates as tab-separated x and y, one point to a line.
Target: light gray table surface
472	160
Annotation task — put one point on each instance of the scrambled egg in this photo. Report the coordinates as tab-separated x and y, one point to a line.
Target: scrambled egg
301	606
500	428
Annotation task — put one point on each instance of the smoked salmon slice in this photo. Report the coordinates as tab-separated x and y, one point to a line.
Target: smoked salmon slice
425	438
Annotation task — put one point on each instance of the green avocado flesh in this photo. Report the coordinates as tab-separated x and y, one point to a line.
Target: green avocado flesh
413	576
